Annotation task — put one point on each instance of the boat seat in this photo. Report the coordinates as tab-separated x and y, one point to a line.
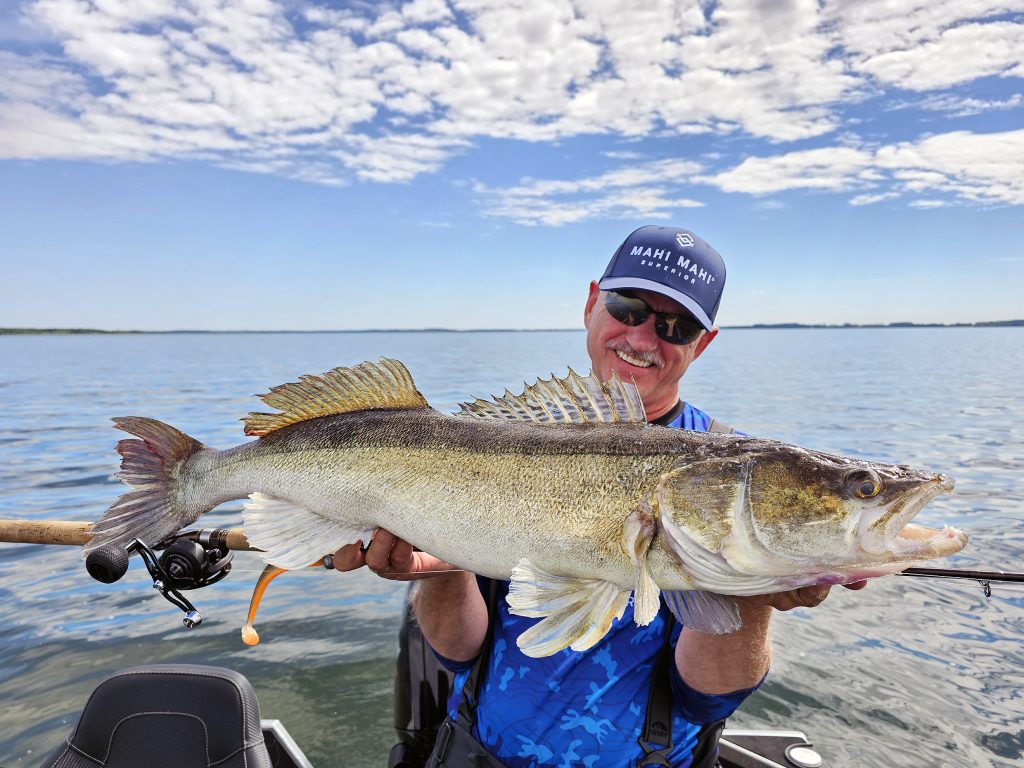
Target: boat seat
167	716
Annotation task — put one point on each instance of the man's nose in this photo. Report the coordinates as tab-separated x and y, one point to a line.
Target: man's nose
642	337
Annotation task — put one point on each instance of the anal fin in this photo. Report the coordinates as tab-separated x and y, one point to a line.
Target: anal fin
291	536
704	611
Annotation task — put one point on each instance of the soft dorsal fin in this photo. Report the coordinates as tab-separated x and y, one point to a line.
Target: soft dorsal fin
574	400
368	386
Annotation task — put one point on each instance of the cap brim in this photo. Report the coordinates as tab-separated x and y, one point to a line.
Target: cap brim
695	309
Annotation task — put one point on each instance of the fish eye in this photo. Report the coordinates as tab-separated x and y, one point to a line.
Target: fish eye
864	483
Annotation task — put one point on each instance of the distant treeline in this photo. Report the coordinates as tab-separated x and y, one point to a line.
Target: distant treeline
65	331
983	324
756	326
53	331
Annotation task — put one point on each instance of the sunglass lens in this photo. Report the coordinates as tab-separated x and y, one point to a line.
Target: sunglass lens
677	329
626	309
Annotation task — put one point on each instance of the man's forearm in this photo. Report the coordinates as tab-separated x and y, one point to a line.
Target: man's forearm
726	663
452	614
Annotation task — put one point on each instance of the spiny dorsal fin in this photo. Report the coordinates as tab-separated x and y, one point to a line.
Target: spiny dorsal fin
367	386
574	400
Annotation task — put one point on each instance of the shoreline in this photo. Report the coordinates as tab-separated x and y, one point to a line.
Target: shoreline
754	327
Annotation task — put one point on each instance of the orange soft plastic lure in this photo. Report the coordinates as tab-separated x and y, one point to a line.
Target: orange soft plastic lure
249	635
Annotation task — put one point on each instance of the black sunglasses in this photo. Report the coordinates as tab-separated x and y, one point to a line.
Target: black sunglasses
673	327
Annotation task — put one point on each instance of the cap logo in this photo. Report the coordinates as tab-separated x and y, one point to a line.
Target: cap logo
684	239
684	267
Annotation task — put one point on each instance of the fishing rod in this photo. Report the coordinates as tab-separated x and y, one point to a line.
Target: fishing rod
985	578
197	558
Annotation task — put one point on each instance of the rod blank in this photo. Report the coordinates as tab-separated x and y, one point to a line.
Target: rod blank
72	533
956	573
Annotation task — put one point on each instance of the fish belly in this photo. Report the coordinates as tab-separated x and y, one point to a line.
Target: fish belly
482	512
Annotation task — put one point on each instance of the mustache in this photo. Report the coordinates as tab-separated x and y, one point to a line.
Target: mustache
647	357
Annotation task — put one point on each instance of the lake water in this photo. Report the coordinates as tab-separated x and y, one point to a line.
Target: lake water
909	672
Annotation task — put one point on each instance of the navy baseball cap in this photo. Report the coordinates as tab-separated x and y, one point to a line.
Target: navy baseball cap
673	262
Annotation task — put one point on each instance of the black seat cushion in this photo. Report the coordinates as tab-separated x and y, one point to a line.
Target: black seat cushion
167	716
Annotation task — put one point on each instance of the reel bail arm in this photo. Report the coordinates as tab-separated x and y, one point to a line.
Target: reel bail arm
162	584
190	560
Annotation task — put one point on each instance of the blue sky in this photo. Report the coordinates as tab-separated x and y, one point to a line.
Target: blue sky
266	164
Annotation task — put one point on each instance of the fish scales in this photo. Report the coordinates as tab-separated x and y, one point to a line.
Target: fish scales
503	487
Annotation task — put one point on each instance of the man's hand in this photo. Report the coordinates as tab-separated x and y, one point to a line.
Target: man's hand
735	661
390	558
449	609
804	597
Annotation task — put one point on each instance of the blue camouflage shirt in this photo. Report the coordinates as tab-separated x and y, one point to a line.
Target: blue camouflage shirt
584	709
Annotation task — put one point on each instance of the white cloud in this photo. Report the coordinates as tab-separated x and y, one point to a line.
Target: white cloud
870	199
505	68
624	155
833	168
426	11
961	106
387	92
973	167
965	168
396	158
985	168
645	191
875	27
956	55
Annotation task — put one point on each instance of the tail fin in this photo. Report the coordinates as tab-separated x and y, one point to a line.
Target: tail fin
153	509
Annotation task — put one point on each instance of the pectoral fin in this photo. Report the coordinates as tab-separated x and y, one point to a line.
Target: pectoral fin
704	611
576	613
638	533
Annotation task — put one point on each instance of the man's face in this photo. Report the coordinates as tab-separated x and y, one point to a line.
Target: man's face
635	353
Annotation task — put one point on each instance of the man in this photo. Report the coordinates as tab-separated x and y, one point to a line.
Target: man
648	318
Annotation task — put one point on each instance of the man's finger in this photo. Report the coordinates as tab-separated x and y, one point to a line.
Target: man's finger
378	556
402	559
812	597
349	557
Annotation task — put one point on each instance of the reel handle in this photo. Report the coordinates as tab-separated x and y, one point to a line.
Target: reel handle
107	564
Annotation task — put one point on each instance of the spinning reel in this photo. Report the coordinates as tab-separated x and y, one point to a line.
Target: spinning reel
190	560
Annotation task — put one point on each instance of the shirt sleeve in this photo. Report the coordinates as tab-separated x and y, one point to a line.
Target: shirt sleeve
450	664
458	667
702	708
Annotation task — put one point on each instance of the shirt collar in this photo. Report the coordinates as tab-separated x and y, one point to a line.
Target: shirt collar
669	417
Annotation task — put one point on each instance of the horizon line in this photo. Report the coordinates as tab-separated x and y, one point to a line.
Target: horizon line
30	331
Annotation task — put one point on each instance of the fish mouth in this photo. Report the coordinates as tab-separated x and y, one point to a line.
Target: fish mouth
908	542
929	543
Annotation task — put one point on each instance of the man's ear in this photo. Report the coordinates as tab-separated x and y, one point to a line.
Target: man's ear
592	298
702	343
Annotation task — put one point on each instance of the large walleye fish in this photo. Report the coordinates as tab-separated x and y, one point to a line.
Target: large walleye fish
564	489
